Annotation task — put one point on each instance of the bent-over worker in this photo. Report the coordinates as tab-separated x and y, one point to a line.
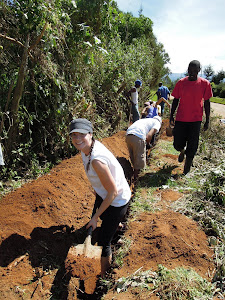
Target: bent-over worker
107	177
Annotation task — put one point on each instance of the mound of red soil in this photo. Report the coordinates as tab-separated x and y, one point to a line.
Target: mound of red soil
41	220
167	238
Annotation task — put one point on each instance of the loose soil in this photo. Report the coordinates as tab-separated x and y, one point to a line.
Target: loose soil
41	220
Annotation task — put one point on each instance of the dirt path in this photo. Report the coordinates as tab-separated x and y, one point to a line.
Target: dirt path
218	109
41	220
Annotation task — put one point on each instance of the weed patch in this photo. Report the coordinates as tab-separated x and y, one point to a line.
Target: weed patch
176	284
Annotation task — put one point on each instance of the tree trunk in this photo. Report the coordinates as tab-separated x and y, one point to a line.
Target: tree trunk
17	95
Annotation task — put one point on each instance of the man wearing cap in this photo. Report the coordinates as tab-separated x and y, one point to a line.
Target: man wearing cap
133	93
138	136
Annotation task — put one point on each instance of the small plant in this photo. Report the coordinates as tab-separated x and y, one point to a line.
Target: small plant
122	251
176	284
142	203
136	280
219	277
182	283
214	187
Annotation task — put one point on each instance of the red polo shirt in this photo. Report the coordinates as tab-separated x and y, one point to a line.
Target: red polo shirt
191	95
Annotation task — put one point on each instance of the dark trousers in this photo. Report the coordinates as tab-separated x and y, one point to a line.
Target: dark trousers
135	112
162	104
111	218
186	134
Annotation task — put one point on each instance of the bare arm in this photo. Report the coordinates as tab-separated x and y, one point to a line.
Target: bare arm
128	94
164	100
150	135
144	111
109	184
207	113
173	109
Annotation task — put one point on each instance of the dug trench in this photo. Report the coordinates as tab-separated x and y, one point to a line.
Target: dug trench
40	221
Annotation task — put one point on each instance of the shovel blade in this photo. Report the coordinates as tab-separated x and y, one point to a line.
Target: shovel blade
82	249
86	249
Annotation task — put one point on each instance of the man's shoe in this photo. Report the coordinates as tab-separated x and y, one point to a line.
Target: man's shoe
181	155
187	165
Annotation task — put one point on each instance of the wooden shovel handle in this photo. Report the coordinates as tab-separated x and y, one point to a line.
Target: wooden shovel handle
87	241
89	232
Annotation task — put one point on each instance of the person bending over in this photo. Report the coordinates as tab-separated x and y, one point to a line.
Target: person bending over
107	177
138	136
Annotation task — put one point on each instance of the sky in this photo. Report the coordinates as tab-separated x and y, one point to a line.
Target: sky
189	29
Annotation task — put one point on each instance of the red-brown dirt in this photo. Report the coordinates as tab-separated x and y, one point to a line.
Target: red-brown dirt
167	238
84	268
41	220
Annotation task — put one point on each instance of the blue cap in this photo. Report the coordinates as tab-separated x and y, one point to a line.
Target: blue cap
138	82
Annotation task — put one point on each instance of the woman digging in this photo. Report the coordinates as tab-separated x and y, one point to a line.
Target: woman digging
108	180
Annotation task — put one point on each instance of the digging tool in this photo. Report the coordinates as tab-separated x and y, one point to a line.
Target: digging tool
83	262
129	121
86	249
169	130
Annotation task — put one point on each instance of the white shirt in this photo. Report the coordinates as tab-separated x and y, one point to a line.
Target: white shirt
141	127
101	153
134	97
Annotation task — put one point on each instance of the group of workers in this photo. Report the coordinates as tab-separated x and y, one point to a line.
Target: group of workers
190	95
103	170
140	135
151	108
105	173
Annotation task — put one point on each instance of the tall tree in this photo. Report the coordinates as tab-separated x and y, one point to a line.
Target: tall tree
217	78
25	24
64	59
208	72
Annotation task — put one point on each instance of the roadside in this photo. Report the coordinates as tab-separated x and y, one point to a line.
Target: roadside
218	109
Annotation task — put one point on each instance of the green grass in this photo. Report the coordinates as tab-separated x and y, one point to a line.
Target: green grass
164	147
176	284
121	252
142	203
218	100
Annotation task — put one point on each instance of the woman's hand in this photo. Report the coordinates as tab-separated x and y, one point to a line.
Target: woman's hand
92	223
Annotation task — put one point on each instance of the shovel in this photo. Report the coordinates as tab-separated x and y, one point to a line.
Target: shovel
83	262
86	249
169	130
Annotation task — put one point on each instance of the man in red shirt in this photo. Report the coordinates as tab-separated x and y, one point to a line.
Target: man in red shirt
190	95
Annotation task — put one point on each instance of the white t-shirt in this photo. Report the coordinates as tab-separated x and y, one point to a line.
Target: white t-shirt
141	127
134	97
101	153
